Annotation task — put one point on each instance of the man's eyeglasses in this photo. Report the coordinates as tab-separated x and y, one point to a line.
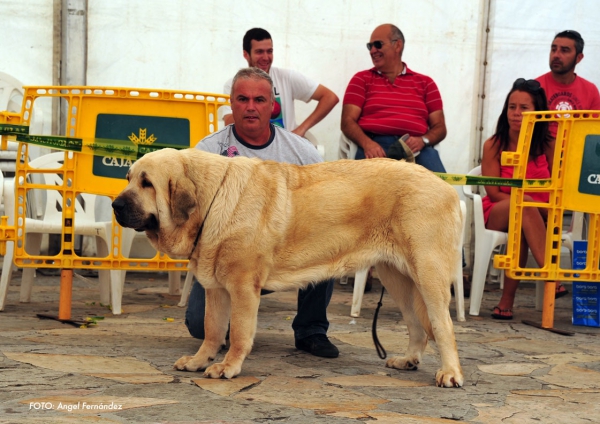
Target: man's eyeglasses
377	44
532	85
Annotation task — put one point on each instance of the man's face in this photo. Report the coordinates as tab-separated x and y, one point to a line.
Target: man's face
251	105
261	54
388	56
563	57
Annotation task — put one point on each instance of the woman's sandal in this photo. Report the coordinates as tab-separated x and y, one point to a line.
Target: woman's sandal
560	291
503	314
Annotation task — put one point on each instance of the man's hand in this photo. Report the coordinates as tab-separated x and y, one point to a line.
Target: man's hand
351	129
416	144
326	100
299	131
373	150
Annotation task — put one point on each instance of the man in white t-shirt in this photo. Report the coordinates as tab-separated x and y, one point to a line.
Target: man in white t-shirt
252	135
288	85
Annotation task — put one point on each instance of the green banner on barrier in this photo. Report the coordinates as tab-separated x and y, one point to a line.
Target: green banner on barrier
14	129
127	150
458	179
53	142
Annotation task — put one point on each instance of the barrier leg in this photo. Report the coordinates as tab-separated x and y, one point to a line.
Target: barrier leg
548	311
64	305
66	292
548	308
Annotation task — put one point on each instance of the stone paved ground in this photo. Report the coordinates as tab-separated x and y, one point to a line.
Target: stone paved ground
514	373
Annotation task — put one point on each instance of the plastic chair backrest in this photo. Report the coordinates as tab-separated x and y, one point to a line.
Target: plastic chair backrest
477	202
11	93
347	148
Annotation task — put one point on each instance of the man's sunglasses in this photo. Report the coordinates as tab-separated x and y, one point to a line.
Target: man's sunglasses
531	85
377	44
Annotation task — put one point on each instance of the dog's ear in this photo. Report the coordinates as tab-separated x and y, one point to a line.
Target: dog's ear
183	199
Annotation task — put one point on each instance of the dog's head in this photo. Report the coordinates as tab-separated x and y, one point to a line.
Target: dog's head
160	199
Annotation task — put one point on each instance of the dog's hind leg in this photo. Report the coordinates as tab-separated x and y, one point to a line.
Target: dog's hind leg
433	280
218	308
245	299
405	294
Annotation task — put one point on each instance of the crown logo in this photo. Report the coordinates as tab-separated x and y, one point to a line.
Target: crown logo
142	138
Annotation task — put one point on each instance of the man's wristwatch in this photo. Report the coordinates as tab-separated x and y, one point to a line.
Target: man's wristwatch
426	141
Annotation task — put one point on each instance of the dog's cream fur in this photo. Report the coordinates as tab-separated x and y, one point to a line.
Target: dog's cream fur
279	226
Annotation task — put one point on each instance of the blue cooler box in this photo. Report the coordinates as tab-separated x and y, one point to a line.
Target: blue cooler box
586	296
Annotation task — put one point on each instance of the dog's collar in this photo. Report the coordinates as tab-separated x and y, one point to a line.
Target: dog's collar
203	221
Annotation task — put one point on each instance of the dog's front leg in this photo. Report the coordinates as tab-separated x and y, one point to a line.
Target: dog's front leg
245	300
216	321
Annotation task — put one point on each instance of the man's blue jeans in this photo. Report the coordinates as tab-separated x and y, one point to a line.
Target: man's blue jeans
310	319
428	157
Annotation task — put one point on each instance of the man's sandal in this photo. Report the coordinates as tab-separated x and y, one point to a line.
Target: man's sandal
503	314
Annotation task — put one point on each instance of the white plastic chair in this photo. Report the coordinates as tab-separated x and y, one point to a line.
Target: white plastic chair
50	222
347	150
187	287
11	99
485	243
11	93
320	148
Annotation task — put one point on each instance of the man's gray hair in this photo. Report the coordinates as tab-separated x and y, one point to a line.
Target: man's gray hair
396	34
255	74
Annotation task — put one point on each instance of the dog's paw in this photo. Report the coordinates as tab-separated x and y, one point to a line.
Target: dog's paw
180	364
403	363
222	370
449	378
190	363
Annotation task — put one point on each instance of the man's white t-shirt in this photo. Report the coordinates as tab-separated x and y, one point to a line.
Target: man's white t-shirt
282	146
288	85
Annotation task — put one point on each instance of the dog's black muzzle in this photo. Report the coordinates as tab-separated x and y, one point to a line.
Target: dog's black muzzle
127	217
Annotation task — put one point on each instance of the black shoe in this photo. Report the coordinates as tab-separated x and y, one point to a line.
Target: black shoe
318	345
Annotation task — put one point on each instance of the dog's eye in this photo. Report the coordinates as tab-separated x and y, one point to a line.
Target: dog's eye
146	183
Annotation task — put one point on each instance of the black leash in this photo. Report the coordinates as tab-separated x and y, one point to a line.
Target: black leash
380	350
202	225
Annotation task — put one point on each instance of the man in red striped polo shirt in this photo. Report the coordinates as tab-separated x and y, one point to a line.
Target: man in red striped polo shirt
389	100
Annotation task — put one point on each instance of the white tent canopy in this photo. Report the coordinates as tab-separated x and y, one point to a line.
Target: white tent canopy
474	50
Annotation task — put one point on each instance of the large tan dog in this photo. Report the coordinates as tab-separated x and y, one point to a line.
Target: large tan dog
247	224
